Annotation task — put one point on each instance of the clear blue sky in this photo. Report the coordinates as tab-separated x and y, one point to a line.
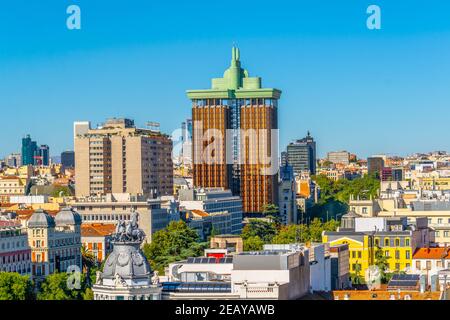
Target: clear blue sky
383	91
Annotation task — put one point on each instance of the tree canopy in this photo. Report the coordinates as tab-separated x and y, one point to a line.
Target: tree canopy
259	232
340	190
176	242
55	287
263	229
14	286
382	262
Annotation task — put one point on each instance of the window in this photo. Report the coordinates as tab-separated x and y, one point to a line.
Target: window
364	210
446	234
386	254
353	254
397	242
437	233
397	254
407	242
439	264
359	254
418	265
408	254
428	265
377	242
386	242
397	266
440	221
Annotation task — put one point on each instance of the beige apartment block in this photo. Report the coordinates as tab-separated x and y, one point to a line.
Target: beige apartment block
118	157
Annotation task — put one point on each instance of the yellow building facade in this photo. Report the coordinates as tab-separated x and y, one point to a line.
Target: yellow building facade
363	247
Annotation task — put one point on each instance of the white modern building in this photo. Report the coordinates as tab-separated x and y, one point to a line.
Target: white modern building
263	275
213	200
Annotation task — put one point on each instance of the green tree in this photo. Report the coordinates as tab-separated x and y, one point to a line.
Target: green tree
356	277
364	187
88	262
14	286
176	242
263	229
88	294
55	287
382	262
59	191
331	225
327	188
292	234
272	212
253	243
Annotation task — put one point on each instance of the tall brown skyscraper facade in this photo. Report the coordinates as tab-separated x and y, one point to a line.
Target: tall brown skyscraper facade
120	158
235	136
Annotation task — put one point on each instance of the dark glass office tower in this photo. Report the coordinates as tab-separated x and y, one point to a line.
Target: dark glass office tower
68	159
42	156
29	149
301	155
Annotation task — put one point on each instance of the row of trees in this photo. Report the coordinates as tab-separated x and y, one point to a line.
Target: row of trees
340	190
178	241
175	243
258	232
56	286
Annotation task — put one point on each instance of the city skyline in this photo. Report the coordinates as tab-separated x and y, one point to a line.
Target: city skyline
353	88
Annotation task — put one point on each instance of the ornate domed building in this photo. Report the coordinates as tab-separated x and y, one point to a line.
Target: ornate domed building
55	242
127	274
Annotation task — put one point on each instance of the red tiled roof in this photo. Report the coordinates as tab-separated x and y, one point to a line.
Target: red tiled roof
432	253
97	229
9	178
9	223
384	295
27	213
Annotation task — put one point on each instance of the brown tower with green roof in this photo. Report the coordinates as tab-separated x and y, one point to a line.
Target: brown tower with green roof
234	107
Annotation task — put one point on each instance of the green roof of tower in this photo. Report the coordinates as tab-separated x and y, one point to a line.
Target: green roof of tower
236	83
